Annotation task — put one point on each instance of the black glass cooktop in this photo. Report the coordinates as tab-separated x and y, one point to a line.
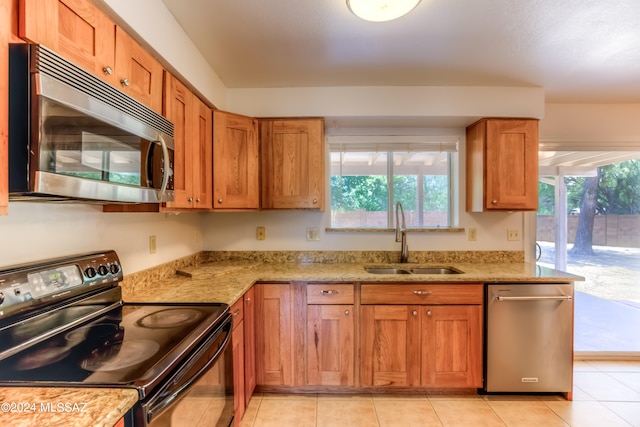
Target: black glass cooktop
126	346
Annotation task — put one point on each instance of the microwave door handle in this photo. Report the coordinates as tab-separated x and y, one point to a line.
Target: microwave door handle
167	169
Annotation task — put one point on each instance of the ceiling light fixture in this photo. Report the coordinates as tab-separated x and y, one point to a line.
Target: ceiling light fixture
381	10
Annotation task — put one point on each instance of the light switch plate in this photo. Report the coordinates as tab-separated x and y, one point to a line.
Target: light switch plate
313	234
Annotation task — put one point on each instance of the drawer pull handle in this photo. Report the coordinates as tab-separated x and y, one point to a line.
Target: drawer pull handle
422	292
235	313
329	291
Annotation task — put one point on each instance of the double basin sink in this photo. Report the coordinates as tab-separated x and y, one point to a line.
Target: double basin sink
411	270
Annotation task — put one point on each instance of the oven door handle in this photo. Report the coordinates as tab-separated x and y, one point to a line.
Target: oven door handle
167	396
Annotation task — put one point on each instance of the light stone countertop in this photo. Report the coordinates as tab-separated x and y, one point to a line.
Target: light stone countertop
227	281
64	407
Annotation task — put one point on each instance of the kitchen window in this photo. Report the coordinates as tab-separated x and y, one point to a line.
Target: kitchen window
370	174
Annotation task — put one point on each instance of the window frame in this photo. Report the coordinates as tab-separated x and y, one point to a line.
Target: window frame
391	146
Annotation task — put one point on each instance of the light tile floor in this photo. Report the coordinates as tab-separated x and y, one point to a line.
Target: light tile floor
606	394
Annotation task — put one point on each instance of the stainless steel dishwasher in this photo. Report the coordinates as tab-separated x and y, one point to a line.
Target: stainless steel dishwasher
529	338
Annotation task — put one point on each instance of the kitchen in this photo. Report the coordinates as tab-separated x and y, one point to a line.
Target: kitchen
182	235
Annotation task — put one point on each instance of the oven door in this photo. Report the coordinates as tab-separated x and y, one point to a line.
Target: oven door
199	391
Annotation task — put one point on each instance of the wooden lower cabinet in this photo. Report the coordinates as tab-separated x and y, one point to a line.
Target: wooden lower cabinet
274	334
451	345
237	342
316	336
330	345
421	346
249	344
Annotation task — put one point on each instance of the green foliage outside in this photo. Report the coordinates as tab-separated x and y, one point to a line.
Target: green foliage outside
370	192
618	191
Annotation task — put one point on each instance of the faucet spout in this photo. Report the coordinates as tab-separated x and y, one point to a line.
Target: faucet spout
401	233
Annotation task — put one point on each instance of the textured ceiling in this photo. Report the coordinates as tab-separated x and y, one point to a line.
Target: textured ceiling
578	50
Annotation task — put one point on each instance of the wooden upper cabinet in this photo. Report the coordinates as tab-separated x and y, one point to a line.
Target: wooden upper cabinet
192	147
5	36
138	74
502	165
76	29
235	162
79	31
293	166
201	154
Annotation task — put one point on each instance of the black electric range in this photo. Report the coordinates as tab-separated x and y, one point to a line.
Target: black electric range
63	323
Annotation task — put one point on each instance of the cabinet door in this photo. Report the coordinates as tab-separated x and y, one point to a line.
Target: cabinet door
330	346
235	161
451	346
138	74
249	345
292	164
237	340
76	29
5	36
274	334
390	345
179	110
201	163
512	164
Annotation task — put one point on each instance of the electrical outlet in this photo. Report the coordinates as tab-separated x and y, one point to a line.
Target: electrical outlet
261	233
473	234
313	234
513	234
152	244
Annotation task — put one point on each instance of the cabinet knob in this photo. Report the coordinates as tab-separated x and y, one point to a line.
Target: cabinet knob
315	201
197	199
108	70
429	313
414	313
494	202
124	82
248	300
346	312
219	201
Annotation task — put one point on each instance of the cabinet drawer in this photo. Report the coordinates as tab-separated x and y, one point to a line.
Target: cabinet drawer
237	311
330	293
421	293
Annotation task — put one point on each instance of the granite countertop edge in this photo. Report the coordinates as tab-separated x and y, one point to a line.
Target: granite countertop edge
226	283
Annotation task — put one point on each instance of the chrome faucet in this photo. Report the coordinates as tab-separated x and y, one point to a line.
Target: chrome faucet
401	233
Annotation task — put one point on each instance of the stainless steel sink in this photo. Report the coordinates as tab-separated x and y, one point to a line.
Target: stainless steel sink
435	270
412	270
386	270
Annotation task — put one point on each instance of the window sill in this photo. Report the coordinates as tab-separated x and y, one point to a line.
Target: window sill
391	230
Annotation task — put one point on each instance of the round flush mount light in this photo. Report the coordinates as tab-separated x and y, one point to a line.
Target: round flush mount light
381	10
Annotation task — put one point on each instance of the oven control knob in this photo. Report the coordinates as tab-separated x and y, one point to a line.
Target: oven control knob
1	297
103	270
90	272
115	268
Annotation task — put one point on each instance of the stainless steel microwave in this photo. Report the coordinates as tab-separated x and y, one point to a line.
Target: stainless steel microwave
74	137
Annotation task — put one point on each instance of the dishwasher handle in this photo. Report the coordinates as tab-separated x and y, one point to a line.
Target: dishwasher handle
536	298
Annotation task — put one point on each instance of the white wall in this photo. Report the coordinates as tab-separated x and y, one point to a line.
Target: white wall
34	231
286	230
